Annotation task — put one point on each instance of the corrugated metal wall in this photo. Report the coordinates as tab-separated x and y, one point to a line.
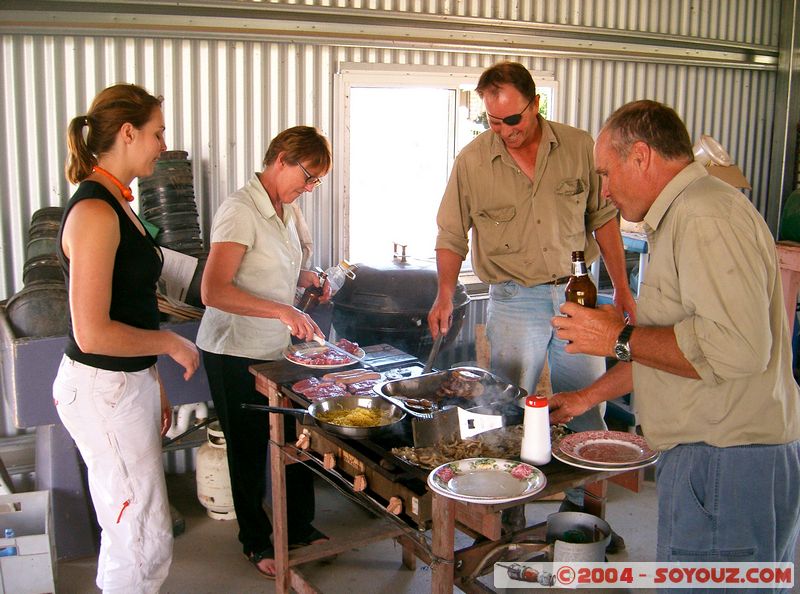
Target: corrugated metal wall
224	100
227	94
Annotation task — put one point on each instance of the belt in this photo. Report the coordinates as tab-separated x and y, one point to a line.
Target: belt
558	281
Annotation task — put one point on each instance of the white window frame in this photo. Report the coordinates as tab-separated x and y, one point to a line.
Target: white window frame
394	75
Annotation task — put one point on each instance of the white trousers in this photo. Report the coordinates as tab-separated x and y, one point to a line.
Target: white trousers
114	418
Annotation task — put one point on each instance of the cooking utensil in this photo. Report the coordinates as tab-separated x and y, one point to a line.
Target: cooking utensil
437	344
578	536
391	413
322	342
408	393
453	422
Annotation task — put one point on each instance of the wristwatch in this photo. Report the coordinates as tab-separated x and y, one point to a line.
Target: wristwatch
622	349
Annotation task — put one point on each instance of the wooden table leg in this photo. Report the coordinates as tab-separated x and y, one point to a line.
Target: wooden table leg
409	554
443	537
594	500
278	474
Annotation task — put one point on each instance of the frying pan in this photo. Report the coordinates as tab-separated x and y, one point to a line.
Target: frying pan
390	412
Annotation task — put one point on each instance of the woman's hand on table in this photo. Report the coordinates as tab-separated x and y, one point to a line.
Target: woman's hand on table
565	406
300	325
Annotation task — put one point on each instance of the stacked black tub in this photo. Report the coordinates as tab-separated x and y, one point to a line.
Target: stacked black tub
167	201
41	307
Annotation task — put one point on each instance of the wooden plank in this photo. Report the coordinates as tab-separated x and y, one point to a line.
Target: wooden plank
594	499
277	462
478	518
442	568
633	480
381	529
300	583
477	559
409	552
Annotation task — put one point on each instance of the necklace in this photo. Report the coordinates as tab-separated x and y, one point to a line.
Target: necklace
126	192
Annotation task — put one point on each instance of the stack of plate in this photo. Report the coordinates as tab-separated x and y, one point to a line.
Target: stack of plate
604	450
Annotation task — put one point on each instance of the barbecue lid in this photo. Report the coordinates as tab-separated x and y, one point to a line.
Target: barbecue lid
394	287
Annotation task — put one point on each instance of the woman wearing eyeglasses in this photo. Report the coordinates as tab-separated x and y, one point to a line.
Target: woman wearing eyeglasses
248	287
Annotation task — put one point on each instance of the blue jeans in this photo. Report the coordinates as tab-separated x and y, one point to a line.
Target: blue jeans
728	504
521	339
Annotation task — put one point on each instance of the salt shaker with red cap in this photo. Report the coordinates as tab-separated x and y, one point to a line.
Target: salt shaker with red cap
536	431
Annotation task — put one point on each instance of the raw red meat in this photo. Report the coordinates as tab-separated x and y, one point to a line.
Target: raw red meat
361	387
346	345
305	384
324	357
324	390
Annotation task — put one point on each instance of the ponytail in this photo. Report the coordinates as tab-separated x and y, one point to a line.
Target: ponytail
79	160
110	110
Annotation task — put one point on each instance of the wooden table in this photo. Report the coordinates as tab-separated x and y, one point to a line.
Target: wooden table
448	566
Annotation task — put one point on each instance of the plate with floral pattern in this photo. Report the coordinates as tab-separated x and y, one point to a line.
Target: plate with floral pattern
606	448
486	480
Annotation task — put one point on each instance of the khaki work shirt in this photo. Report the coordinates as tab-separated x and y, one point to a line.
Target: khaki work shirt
714	276
269	269
524	231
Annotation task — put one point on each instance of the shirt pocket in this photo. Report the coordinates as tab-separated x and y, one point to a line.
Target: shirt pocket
571	195
497	232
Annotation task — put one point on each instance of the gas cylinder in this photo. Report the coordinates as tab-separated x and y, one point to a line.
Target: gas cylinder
213	479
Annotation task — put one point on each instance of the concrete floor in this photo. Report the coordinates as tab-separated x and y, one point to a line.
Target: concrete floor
208	559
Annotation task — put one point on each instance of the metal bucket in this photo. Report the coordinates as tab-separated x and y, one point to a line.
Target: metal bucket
577	536
44	268
39	309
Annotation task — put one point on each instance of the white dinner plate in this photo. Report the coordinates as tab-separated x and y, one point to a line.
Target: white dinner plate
562	457
312	348
486	480
606	448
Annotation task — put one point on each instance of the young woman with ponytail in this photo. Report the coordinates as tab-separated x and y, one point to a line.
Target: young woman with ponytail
107	391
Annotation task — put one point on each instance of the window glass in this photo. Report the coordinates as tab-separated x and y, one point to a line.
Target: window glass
402	145
399	132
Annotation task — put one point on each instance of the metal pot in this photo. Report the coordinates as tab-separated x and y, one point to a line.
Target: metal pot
577	536
389	303
394	414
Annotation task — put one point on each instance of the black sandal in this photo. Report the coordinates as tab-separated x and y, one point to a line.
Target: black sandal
311	538
256	558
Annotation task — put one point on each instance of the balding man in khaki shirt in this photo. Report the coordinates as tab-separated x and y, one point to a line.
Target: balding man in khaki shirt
528	192
710	360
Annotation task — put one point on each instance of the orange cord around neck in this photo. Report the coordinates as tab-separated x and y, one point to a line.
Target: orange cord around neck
126	191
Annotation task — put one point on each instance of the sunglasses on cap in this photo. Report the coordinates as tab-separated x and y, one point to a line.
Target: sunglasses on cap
514	119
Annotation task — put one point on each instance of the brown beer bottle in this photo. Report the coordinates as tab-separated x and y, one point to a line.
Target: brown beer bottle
580	288
312	294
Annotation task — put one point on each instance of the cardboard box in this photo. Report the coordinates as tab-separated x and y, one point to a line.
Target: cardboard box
32	569
730	174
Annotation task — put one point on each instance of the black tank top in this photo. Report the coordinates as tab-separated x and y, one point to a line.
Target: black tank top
137	266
